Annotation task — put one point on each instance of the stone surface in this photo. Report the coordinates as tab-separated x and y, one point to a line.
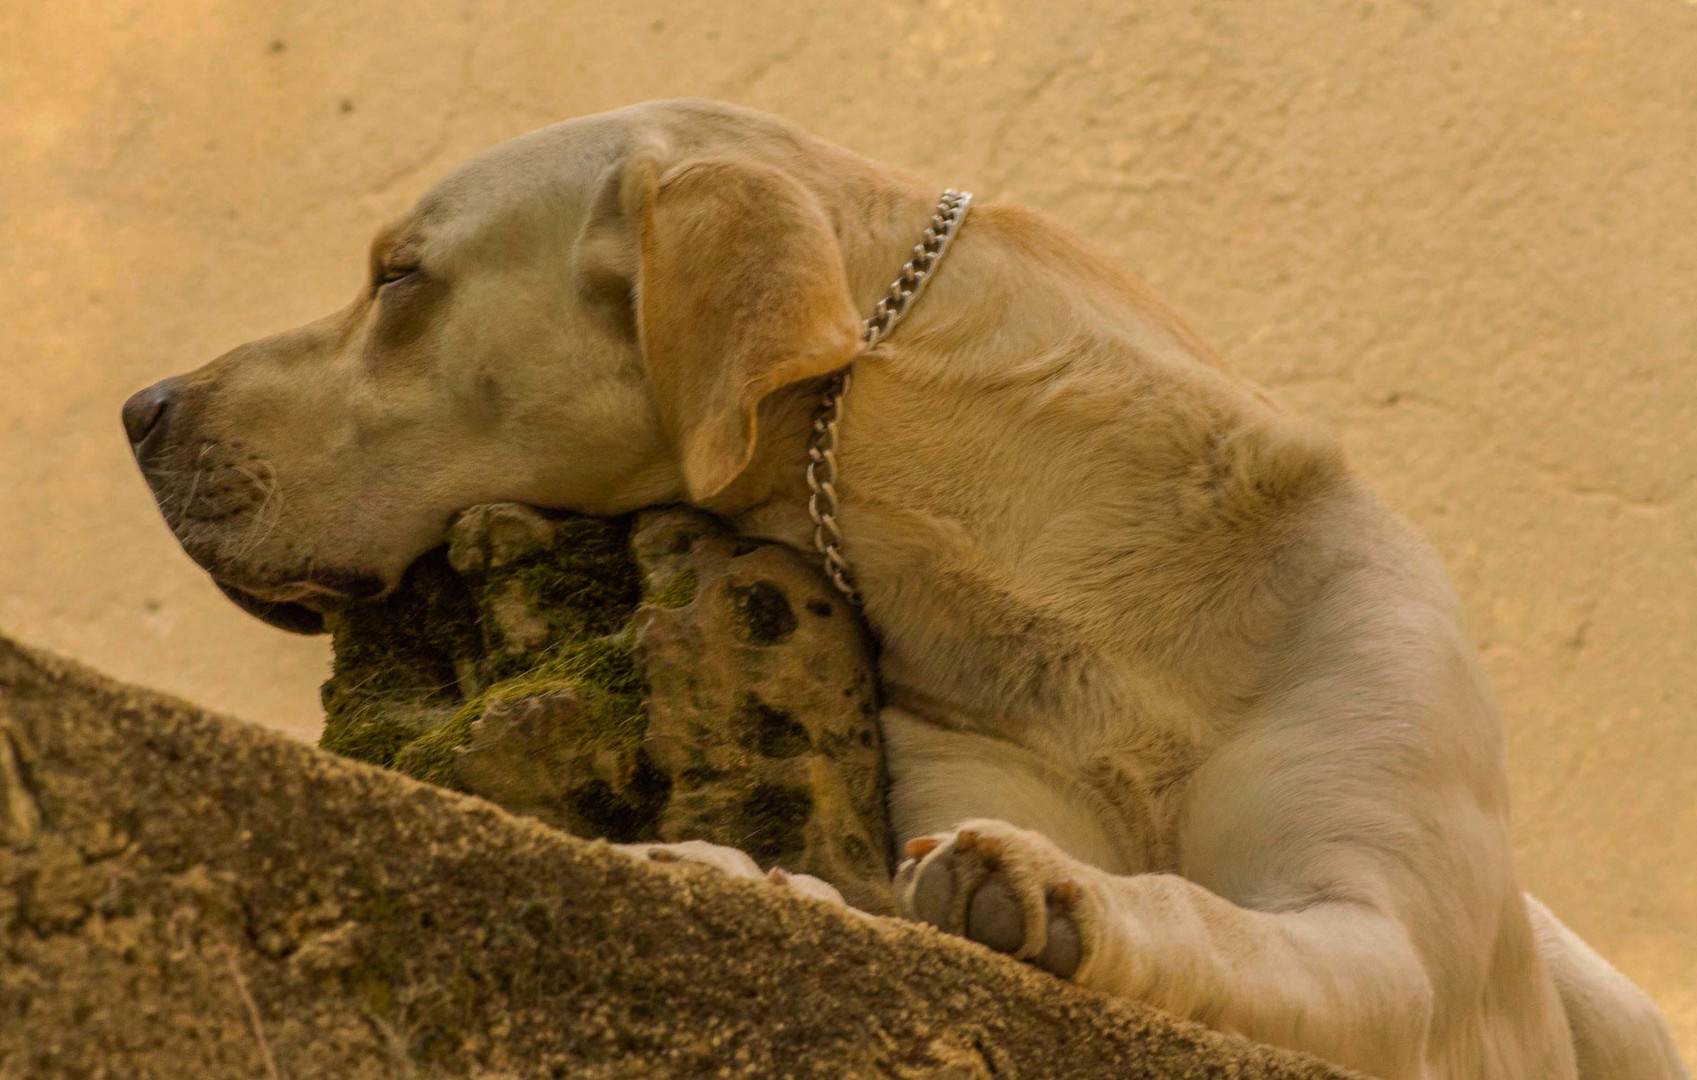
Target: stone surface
1457	233
644	678
183	896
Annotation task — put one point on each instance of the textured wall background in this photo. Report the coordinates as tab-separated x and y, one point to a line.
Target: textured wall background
1461	234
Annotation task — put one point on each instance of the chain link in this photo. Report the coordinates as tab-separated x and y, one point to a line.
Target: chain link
889	312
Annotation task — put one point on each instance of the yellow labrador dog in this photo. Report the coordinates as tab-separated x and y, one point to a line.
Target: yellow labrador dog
1175	708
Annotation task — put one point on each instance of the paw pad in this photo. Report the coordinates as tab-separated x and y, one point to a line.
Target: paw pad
982	885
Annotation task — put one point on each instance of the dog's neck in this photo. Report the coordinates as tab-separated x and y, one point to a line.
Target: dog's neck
890	212
1040	429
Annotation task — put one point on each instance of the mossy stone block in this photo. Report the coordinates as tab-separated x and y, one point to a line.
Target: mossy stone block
648	677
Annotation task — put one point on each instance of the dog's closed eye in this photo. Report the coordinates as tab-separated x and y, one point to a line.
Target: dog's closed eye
396	275
402	295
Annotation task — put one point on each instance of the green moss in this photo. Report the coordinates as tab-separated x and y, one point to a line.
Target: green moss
378	729
409	641
397	662
604	674
677	592
430	756
585	586
405	666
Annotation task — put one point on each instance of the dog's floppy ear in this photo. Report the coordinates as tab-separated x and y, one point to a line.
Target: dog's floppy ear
735	283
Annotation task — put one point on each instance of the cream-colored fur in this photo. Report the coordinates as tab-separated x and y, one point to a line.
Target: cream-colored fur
1179	675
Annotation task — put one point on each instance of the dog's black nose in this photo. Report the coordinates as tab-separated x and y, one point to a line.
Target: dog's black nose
148	411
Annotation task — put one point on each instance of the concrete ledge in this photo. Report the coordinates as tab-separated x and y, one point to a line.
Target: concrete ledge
186	896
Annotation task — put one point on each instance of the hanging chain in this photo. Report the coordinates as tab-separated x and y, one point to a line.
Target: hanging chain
822	449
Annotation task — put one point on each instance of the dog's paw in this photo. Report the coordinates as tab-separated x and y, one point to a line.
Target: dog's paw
736	864
727	860
1004	887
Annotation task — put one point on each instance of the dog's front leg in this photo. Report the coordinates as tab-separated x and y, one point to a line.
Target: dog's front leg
1334	979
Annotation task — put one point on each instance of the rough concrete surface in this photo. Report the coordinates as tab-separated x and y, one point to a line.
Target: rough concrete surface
1458	233
185	896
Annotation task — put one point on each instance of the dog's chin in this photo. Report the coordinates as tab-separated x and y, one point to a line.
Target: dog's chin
283	614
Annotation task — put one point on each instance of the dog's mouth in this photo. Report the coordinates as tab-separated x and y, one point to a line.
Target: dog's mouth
288	615
300	607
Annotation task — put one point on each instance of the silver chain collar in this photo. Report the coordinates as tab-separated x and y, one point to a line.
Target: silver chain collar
822	448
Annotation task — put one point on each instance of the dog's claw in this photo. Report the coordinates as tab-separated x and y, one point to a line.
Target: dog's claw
921	846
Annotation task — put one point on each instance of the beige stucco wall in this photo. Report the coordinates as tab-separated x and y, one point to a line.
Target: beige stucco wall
1462	234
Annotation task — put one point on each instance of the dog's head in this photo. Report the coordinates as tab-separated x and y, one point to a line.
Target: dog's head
586	318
